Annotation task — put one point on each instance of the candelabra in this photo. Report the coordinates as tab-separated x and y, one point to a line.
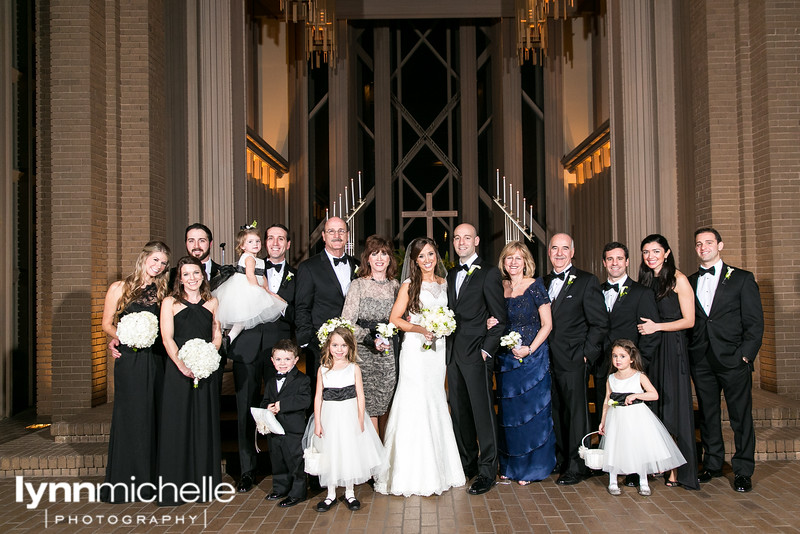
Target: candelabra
348	205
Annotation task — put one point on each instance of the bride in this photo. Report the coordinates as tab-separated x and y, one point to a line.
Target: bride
420	443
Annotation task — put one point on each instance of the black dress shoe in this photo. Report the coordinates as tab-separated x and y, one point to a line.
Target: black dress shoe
631	480
556	469
289	501
568	479
481	485
245	483
352	504
742	484
324	506
274	496
706	475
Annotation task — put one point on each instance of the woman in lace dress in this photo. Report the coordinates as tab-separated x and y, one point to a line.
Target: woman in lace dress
420	443
369	301
138	375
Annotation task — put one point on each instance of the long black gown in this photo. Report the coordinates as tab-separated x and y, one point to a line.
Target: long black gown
138	382
189	449
669	373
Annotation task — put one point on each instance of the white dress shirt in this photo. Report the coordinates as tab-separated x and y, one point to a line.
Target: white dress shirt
556	284
275	276
462	274
342	272
610	295
707	287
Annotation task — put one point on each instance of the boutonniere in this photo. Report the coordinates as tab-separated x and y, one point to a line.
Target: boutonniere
472	269
289	276
355	271
571	279
623	291
728	273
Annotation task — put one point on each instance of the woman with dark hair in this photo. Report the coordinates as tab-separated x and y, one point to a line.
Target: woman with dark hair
369	301
138	375
189	450
669	370
527	442
420	442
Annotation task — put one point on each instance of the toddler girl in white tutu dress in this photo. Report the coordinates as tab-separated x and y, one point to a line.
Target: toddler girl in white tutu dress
634	439
245	299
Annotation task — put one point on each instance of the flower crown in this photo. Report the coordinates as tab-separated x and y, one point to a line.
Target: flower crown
330	325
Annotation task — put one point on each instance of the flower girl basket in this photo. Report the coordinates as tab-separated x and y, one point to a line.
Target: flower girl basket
594	458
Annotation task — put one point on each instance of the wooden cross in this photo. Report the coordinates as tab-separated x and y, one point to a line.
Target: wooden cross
429	213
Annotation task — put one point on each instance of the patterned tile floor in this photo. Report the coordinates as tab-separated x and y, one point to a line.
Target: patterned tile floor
773	506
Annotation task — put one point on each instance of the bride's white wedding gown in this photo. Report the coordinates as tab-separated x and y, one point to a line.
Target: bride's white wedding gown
420	443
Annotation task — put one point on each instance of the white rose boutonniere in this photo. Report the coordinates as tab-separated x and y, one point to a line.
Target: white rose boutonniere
728	273
571	279
472	269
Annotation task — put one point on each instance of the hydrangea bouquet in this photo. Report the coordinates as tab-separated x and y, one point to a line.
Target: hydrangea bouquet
201	357
329	326
138	330
440	321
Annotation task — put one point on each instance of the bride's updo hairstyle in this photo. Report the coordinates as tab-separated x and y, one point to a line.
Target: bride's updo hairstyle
414	272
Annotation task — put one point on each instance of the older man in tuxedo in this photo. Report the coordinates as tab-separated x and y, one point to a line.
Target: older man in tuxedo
474	293
251	349
580	324
727	333
322	284
626	302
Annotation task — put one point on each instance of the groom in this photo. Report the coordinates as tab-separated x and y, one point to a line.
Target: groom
474	293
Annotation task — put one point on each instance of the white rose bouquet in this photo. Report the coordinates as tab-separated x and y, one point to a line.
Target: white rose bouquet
386	331
440	321
138	330
201	357
512	340
329	326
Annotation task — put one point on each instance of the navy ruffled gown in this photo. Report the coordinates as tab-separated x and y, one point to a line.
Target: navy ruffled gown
527	443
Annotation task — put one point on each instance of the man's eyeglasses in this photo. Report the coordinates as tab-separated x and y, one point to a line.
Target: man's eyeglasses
334	232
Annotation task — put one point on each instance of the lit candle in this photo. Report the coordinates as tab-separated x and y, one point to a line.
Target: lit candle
524	209
326	214
511	198
531	218
504	191
353	192
517	204
340	206
360	196
346	209
498	184
334	208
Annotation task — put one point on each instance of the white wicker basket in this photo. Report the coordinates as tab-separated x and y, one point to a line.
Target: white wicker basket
594	458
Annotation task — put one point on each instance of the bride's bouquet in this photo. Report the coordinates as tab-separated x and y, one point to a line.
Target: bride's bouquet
386	331
201	357
440	321
138	330
330	325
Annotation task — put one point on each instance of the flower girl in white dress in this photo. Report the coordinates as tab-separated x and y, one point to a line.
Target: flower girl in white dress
634	439
245	299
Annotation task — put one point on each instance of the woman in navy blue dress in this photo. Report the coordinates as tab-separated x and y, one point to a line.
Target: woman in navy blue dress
527	443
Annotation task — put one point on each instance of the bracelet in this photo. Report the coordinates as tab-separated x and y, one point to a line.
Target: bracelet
530	351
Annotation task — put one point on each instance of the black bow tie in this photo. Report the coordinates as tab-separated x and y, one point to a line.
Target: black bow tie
465	267
703	271
269	265
607	287
337	261
280	376
560	276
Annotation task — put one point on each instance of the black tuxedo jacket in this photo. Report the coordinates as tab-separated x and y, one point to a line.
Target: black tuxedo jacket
580	321
634	302
318	295
736	324
480	297
295	398
173	273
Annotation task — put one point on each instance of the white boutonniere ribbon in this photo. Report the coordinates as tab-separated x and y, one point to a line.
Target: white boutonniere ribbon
728	273
571	279
472	269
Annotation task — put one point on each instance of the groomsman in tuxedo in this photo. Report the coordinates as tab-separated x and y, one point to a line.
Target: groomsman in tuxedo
322	284
475	292
251	349
626	303
198	244
580	325
728	327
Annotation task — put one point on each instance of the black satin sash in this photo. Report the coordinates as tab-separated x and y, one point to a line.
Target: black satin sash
339	394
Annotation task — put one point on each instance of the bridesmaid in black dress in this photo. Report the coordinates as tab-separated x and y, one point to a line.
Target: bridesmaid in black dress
189	450
669	370
138	377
